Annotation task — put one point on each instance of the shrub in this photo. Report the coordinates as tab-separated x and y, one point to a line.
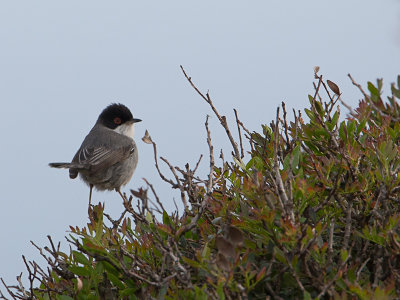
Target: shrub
311	211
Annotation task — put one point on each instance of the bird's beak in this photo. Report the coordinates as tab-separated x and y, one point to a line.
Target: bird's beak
136	120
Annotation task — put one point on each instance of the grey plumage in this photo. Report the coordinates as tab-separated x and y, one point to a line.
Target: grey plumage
108	155
98	163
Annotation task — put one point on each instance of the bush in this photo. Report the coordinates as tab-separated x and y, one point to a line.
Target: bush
312	211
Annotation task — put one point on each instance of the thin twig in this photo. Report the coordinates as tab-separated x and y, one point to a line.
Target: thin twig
211	150
347	231
178	184
239	133
8	289
222	119
209	187
328	285
30	277
154	193
288	207
359	87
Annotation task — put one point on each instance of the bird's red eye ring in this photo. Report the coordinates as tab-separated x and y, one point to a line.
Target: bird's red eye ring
117	121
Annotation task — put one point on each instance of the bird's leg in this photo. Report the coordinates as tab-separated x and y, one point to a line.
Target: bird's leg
90	194
90	198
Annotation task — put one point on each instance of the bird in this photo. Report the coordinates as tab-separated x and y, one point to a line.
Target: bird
108	156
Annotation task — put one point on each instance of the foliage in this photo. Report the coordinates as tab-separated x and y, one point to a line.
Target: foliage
311	212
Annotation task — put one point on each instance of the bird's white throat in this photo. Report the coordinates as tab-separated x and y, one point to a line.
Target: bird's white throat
127	129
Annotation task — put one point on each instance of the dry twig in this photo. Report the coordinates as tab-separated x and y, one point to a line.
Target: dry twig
222	119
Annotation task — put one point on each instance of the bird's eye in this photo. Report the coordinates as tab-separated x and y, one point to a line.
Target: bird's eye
117	121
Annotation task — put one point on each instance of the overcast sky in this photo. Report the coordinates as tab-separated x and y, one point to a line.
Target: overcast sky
62	62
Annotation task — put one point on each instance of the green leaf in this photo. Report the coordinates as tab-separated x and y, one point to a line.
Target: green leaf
258	163
311	99
109	267
334	121
191	262
351	128
99	223
64	297
220	291
149	217
372	235
396	92
344	254
255	162
286	163
296	157
318	107
200	293
240	163
306	295
351	275
206	252
80	258
373	89
128	292
313	148
343	131
379	82
361	126
310	114
335	117
280	256
166	219
99	268
116	281
80	271
320	132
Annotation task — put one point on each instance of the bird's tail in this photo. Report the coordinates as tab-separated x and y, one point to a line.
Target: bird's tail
65	165
73	167
60	165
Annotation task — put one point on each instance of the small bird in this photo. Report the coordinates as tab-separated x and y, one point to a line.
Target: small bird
108	155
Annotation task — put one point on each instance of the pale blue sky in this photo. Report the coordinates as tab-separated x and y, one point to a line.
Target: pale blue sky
61	63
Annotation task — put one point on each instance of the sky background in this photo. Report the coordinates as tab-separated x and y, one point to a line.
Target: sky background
62	62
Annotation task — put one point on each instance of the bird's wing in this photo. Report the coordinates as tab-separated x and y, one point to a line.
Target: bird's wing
97	158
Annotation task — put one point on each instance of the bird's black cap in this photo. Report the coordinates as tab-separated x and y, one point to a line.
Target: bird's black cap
116	114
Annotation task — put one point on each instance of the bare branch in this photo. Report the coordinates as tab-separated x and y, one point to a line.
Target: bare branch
287	207
239	133
222	119
155	194
211	150
359	87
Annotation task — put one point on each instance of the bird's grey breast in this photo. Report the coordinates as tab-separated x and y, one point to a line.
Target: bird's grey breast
111	159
